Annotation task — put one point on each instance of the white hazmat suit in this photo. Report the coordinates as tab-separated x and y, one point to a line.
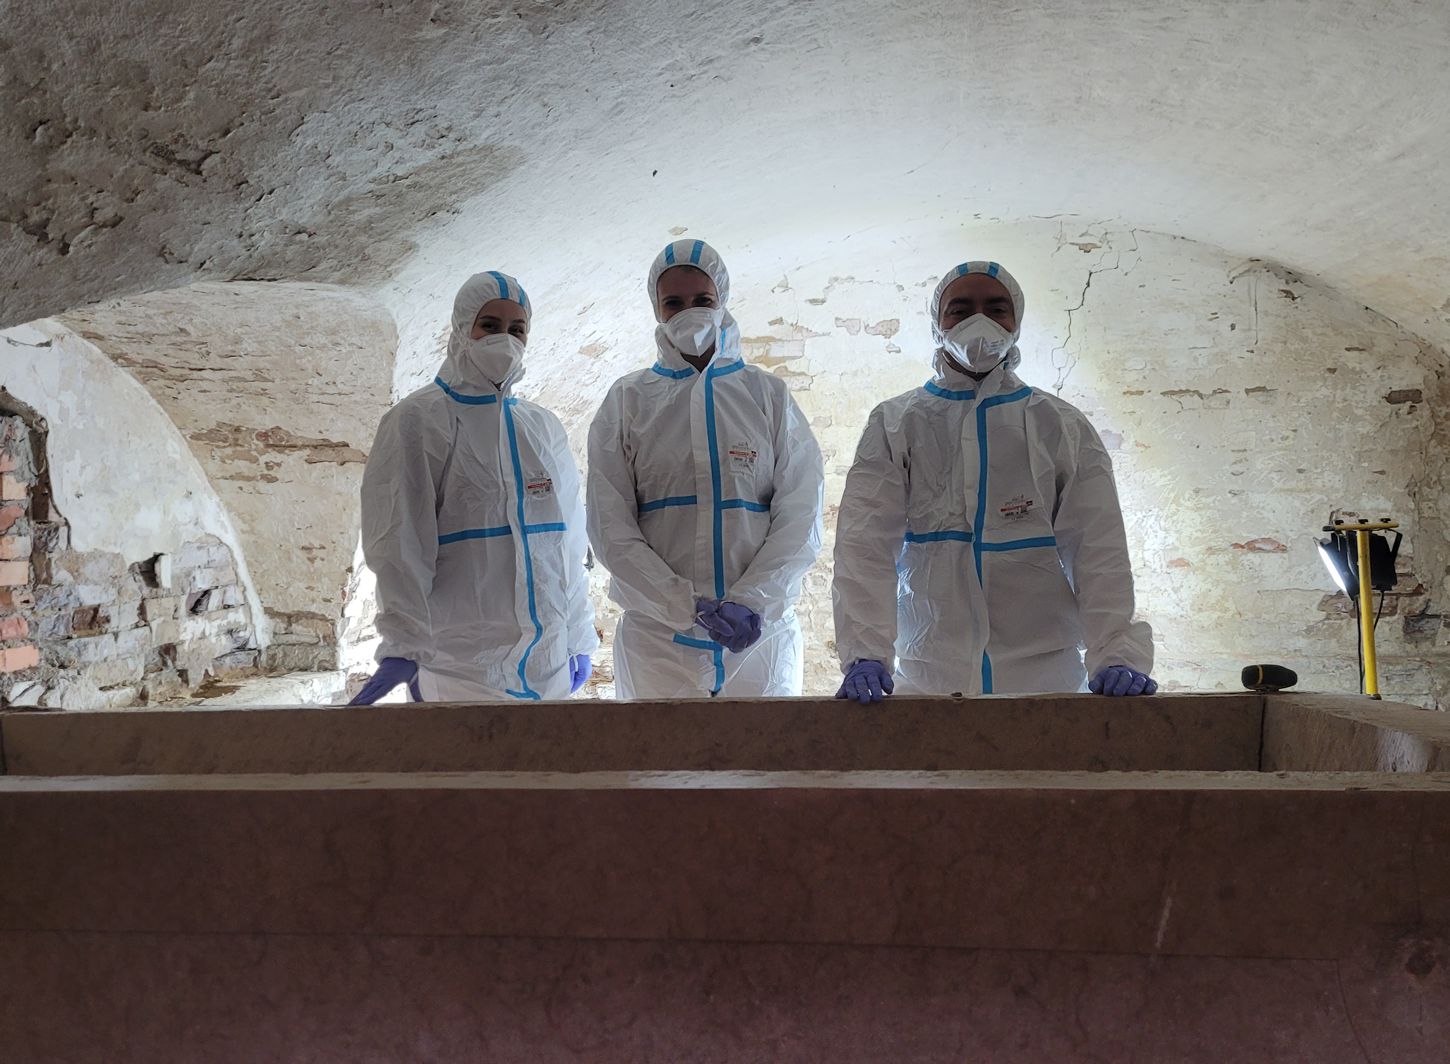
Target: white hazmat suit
473	523
980	546
703	485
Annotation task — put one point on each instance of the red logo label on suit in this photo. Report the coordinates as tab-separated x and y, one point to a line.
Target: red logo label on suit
742	457
1016	509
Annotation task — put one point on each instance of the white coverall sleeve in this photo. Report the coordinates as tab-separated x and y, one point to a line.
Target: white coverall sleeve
642	580
583	637
400	532
1093	546
794	539
870	529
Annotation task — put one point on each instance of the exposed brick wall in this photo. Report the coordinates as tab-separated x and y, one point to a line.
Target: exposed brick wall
278	390
83	629
19	656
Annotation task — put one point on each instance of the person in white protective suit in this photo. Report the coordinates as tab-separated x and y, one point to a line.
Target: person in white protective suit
473	523
980	547
705	486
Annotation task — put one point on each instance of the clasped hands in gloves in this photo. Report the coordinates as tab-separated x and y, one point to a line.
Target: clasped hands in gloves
733	626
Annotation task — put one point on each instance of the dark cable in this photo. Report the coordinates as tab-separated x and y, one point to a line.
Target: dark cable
1377	613
1358	643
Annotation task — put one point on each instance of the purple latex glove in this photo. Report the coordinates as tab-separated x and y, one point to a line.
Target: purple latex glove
390	673
733	626
867	681
1116	680
580	669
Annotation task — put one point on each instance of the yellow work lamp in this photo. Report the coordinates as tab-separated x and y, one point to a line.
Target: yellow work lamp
1362	561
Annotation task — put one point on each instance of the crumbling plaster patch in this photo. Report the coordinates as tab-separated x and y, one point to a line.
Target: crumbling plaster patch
278	389
121	474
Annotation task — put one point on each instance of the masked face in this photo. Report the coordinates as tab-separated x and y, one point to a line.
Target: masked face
979	343
495	358
694	331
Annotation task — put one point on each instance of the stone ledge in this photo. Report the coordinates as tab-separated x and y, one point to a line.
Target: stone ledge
1201	864
228	999
1316	733
1051	732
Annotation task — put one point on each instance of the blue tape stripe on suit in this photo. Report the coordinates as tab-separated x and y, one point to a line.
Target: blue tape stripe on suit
978	524
475	533
662	504
527	691
938	537
1022	544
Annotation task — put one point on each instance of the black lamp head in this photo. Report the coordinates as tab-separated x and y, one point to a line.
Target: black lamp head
1340	554
1382	556
1335	553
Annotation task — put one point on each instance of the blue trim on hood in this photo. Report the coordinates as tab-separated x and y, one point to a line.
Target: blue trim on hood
946	393
459	397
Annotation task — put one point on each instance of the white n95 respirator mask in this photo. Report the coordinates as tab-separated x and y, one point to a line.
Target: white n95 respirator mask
979	343
495	358
693	331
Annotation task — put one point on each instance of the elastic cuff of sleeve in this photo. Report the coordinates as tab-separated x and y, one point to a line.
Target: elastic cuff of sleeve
683	619
752	601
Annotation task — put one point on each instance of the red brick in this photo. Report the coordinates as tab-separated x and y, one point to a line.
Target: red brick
10	488
14	547
13	628
17	658
8	462
16	599
9	514
14	574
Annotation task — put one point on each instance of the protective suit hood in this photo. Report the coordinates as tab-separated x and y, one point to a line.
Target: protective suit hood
967	499
474	525
479	289
703	257
703	486
947	375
